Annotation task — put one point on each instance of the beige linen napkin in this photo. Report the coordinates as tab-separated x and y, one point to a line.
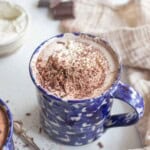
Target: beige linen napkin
95	17
127	29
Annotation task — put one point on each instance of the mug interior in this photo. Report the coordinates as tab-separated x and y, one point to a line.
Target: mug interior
33	70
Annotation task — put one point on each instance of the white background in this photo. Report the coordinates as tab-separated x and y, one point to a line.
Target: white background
17	87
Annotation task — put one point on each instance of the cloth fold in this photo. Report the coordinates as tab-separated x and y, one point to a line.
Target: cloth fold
127	28
145	148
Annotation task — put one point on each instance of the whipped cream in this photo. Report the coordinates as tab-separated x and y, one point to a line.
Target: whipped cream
13	21
95	67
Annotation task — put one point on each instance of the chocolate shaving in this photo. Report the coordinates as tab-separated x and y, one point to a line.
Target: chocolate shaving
100	145
7	101
28	114
40	130
60	42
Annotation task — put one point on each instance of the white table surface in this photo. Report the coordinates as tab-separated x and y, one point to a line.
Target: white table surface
17	87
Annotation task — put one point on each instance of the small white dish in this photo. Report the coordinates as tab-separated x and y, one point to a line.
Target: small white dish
14	22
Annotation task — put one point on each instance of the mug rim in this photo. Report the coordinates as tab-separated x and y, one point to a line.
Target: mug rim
10	123
41	89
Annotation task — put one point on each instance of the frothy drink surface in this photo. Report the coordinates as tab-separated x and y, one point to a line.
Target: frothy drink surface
3	127
75	68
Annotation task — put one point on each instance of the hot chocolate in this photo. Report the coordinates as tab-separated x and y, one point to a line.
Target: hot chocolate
3	127
75	68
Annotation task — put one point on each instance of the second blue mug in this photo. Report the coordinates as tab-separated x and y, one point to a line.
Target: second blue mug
8	145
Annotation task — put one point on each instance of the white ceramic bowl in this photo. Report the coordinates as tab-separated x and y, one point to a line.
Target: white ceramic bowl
14	35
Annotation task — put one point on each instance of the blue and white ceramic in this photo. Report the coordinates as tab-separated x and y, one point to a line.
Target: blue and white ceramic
9	145
78	122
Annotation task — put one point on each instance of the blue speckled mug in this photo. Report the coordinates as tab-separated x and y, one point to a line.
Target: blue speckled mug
78	122
9	141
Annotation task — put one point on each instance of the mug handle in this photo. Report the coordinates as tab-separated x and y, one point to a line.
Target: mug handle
128	95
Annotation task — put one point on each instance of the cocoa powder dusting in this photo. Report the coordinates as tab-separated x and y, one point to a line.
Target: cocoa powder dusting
77	77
